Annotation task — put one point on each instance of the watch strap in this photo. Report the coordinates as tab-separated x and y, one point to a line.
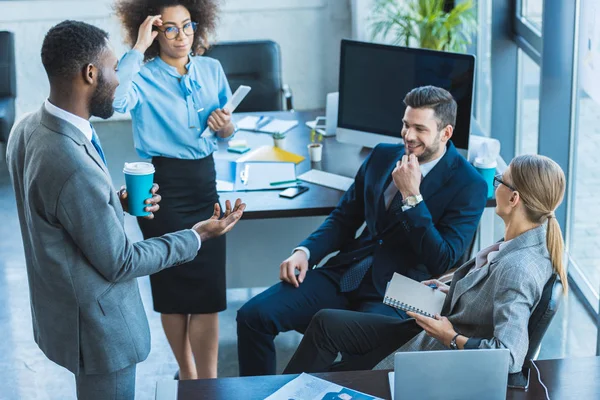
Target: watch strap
453	344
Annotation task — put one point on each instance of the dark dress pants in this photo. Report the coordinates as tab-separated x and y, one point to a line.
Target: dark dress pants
283	308
364	339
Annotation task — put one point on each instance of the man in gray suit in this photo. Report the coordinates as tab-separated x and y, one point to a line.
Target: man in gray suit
87	312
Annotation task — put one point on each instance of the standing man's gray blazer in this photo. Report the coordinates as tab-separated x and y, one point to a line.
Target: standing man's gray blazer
85	303
492	305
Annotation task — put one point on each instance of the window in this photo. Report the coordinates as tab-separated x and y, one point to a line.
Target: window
528	105
531	12
584	233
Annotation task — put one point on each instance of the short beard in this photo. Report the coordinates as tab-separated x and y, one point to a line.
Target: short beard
101	103
430	151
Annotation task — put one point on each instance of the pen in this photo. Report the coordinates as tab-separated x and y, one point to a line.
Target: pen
432	285
262	121
259	121
283	182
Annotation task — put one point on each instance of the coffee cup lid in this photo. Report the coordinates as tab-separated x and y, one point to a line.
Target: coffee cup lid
484	163
138	168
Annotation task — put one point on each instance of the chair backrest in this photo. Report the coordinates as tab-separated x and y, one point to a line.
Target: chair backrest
256	64
8	73
542	315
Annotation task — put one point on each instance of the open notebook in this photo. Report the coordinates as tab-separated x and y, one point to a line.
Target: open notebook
409	295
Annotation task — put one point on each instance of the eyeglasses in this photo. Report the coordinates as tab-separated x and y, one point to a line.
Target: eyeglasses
172	32
498	181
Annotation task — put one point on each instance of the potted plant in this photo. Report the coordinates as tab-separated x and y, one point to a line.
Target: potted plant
425	24
315	148
279	139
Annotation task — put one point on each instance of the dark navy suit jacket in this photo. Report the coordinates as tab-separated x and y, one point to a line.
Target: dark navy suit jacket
421	242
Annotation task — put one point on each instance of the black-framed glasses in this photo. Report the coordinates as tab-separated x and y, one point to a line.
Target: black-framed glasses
171	32
498	181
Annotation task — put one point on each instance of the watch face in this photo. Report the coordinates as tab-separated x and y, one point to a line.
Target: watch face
410	201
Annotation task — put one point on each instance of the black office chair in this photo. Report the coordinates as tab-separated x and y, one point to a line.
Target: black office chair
256	64
542	315
8	84
538	325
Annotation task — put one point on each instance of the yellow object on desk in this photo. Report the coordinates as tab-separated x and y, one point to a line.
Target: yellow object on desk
270	153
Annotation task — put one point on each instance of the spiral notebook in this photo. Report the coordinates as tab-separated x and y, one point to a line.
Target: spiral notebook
409	295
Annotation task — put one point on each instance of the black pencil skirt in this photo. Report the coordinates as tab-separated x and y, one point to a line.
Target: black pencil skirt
189	191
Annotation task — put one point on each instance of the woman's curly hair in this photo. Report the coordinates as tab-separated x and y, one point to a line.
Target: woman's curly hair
132	14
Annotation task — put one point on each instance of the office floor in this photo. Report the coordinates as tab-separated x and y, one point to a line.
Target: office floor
25	373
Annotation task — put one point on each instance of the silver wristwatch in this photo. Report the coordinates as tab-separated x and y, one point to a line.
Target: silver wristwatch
412	201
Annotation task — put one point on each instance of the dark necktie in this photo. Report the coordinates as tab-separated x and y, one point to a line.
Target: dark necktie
96	144
354	275
396	204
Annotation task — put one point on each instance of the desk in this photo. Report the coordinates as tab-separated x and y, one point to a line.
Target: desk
573	378
338	158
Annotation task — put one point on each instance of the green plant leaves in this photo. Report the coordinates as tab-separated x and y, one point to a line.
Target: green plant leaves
424	23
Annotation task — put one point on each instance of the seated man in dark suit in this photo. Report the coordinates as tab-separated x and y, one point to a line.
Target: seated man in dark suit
421	203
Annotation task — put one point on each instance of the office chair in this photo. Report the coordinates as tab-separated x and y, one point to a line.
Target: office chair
8	84
256	64
542	315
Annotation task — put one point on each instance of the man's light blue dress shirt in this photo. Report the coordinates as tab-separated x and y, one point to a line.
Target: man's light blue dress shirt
169	111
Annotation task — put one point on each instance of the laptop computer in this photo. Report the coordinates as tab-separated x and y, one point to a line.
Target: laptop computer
448	375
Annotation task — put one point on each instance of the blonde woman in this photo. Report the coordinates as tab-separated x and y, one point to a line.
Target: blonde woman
491	297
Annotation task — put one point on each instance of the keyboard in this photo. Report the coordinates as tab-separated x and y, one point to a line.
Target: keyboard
327	179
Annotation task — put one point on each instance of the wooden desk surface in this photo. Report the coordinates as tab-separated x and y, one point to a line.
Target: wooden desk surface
572	378
338	158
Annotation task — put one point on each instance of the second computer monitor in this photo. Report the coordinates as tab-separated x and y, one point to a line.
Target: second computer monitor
374	79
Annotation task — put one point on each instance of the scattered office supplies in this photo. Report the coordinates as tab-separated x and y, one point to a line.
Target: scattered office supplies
410	295
261	175
265	124
238	143
327	179
450	375
270	153
318	125
308	387
231	105
292	192
239	150
284	182
315	152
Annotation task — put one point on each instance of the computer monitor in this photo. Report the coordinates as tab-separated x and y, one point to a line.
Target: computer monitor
374	78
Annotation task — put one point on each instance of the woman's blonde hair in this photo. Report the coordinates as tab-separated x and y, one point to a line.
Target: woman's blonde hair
541	185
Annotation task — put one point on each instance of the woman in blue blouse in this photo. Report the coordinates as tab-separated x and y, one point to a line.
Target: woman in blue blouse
173	95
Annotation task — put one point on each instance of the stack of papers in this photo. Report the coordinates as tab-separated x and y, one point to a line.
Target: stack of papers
265	176
265	124
308	387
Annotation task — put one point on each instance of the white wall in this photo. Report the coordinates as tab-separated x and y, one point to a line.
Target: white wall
308	31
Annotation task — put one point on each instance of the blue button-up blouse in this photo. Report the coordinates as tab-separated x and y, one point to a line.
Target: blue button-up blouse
169	111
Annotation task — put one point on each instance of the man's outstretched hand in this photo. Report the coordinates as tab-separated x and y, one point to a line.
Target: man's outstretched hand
217	225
